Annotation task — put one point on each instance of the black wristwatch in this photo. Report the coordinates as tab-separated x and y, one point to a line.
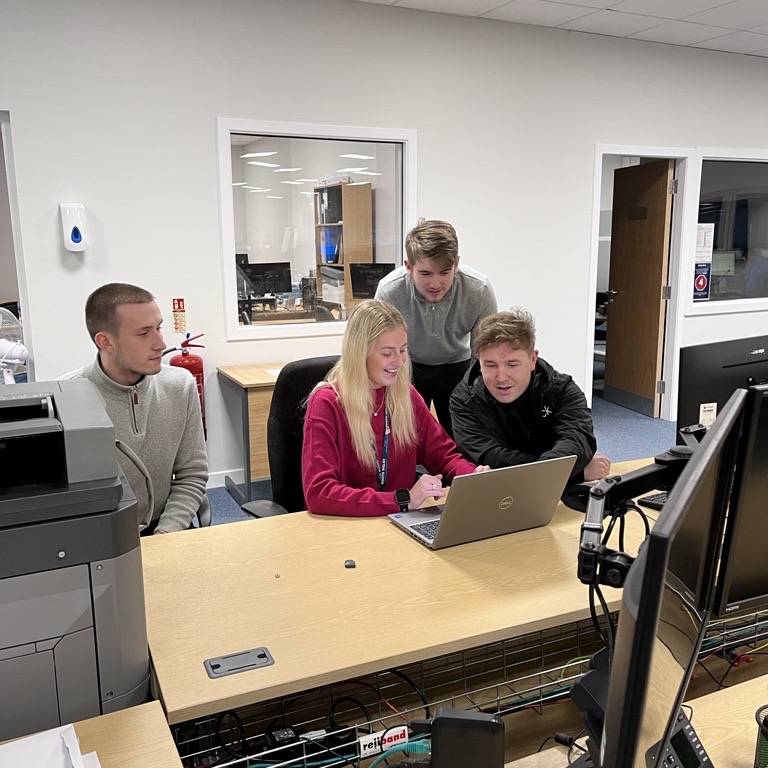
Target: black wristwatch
403	498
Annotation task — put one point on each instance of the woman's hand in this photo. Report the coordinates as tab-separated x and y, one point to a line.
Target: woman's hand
481	468
426	487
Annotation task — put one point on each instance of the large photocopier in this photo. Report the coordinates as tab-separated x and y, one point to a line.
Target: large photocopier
73	637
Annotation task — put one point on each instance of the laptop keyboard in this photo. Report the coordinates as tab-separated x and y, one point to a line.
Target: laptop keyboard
428	530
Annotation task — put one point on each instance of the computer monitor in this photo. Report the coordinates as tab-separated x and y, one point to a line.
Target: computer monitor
709	373
366	277
268	277
660	625
743	578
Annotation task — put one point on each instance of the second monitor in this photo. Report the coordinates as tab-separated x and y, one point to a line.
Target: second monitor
365	278
268	277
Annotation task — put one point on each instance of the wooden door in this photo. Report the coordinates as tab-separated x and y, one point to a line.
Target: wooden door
642	213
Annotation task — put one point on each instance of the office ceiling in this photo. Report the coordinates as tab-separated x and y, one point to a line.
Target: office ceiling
734	26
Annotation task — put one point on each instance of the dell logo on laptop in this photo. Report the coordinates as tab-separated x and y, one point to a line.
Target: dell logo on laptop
506	502
760	351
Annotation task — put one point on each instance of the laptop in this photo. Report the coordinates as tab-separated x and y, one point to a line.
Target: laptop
491	503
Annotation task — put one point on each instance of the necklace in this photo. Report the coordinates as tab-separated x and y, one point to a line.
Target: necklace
381	404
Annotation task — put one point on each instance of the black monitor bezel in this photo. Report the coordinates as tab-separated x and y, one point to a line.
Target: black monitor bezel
281	268
756	400
641	603
719	362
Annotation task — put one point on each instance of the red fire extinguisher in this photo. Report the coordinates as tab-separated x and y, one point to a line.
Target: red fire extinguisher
194	364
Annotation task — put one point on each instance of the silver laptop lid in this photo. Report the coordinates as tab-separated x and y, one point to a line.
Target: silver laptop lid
500	501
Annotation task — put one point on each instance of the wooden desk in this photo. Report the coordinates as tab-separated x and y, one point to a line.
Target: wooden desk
724	721
280	582
137	737
254	385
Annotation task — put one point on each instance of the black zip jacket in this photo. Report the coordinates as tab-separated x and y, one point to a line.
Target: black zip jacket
550	419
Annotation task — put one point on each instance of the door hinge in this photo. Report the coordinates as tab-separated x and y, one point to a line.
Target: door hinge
666	292
661	387
672	187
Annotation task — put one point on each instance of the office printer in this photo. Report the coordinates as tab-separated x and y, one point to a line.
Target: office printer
73	636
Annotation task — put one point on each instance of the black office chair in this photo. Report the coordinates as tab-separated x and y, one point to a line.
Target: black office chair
285	435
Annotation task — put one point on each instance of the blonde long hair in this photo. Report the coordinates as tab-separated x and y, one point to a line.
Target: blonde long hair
349	378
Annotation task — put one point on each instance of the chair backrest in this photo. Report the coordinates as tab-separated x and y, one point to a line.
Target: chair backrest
285	427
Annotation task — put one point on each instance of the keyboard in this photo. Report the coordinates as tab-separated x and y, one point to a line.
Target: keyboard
428	530
654	501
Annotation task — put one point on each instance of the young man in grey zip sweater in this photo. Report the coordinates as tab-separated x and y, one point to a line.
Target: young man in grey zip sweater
155	409
442	304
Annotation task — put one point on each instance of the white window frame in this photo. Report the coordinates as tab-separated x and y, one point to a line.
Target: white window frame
227	126
727	306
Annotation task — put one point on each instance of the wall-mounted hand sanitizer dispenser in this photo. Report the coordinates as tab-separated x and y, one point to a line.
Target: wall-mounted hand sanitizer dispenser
73	226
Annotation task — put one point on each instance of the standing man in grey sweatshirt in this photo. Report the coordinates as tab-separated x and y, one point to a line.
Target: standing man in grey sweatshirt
155	409
442	303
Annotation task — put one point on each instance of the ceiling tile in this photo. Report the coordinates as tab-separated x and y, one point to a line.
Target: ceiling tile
457	7
761	30
679	33
741	14
759	53
666	9
613	23
539	12
600	4
736	42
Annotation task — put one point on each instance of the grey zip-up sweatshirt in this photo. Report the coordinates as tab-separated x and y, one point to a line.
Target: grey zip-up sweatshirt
440	332
159	418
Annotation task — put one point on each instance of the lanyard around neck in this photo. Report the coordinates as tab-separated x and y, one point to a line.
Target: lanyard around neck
383	467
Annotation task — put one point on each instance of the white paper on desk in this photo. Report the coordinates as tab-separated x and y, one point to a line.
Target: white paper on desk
57	748
91	760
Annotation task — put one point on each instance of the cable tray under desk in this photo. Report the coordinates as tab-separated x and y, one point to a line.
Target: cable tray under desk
527	672
524	673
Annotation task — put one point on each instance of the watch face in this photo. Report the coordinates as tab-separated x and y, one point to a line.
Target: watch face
403	497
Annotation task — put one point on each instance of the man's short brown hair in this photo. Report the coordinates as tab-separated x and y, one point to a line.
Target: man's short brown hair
100	314
514	327
432	239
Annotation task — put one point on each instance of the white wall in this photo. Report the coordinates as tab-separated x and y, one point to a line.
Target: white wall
115	105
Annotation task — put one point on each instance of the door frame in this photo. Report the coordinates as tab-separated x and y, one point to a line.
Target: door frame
682	242
6	147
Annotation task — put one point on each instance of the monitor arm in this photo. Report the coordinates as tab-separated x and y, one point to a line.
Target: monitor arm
597	564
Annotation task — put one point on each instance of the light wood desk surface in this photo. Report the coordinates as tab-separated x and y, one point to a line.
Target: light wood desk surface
724	721
280	582
137	737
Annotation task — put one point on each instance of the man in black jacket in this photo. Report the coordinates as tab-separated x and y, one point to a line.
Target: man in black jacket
512	407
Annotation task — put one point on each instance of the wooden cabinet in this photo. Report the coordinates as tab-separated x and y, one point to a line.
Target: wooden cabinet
343	235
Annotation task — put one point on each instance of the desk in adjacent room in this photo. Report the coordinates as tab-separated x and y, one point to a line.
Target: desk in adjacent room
281	582
254	385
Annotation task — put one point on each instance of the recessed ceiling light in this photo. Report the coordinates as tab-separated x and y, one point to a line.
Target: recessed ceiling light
351	170
274	197
261	189
357	183
257	154
308	181
263	165
246	186
369	173
291	182
288	170
353	156
238	183
311	194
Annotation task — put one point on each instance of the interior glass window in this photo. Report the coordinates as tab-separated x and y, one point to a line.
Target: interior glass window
317	222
